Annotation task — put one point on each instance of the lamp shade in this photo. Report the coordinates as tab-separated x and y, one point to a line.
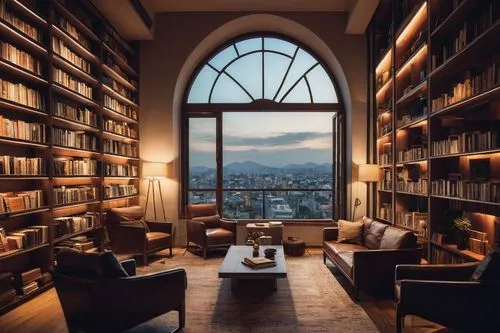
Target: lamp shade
154	170
368	172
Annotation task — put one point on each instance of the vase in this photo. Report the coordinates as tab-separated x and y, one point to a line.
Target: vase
255	249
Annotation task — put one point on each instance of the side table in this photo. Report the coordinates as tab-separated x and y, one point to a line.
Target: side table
275	232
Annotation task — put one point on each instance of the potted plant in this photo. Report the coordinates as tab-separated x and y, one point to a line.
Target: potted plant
461	226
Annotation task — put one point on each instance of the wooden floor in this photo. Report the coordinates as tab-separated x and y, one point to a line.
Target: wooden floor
44	313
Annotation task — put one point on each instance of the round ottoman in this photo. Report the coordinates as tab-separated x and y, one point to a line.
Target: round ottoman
294	246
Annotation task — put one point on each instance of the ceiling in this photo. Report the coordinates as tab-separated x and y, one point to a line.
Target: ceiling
124	16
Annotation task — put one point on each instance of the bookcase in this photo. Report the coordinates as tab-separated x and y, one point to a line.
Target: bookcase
69	134
435	73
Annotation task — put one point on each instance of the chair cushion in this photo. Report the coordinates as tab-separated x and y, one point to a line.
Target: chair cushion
345	262
346	247
373	232
489	268
117	215
157	240
139	223
219	236
350	232
395	238
89	265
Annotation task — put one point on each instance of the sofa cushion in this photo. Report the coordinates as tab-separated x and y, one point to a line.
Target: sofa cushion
157	240
373	234
337	248
345	262
489	268
139	223
395	238
350	232
89	265
219	236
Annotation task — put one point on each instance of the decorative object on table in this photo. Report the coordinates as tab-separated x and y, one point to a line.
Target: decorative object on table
461	226
153	172
253	239
367	173
270	253
256	263
294	246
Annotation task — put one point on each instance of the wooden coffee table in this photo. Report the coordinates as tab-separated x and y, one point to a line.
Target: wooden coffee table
233	269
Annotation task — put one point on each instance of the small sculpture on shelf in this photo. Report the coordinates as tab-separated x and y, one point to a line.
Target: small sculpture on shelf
461	226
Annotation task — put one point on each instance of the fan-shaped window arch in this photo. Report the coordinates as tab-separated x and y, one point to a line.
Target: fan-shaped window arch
259	68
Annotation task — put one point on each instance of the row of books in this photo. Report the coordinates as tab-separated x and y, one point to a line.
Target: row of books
121	170
408	119
109	39
20	129
72	31
385	158
470	190
473	84
258	262
416	221
384	129
68	225
81	114
67	195
386	180
76	139
23	238
120	148
121	128
115	105
23	59
75	167
385	211
412	186
412	154
29	30
119	190
81	243
465	143
11	202
109	60
119	88
24	283
64	51
441	256
19	93
72	83
14	165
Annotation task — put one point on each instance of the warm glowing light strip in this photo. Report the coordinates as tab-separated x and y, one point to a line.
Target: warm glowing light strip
420	88
485	153
385	136
32	13
83	51
415	22
31	42
417	123
416	58
119	78
385	62
118	96
19	107
384	88
65	63
401	164
73	94
118	115
23	71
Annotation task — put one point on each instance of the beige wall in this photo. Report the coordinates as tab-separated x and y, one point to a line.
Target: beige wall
182	40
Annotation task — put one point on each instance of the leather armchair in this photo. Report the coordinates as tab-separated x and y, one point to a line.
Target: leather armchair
206	229
114	304
444	294
130	234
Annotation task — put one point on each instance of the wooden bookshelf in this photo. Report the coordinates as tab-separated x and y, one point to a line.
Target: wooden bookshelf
447	87
82	36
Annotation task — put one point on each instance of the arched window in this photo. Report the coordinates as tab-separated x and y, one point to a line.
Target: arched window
262	133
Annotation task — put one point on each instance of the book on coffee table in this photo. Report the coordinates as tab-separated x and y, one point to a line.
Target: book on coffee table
258	262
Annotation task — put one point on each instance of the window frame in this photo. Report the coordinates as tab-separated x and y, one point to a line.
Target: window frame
216	110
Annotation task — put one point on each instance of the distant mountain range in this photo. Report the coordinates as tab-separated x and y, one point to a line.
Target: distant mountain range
257	168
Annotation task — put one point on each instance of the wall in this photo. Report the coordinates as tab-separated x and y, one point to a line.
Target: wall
181	42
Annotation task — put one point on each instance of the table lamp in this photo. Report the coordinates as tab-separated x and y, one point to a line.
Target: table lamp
153	172
367	173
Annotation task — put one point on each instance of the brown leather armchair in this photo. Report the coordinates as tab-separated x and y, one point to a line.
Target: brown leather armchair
98	294
129	233
445	294
206	229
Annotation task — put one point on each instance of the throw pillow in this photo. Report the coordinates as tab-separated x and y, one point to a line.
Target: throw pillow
489	268
89	265
350	232
373	235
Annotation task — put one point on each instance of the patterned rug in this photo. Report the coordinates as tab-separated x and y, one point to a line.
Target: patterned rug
309	300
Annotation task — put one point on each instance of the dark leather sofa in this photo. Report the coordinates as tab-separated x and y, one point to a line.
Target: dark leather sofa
370	265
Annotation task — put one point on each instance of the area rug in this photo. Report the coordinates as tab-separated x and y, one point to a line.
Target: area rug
309	300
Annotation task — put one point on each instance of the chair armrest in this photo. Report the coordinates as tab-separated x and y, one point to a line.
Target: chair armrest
196	232
330	233
449	272
129	266
157	226
228	225
127	238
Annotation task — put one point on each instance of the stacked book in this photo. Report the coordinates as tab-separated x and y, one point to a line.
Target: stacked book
7	292
29	281
258	262
71	167
73	224
67	195
21	165
23	238
18	201
80	243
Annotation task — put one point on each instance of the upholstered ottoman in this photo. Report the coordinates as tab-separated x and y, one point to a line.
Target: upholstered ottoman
294	246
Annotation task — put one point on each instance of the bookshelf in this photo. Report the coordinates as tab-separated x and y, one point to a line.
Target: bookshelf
69	133
437	100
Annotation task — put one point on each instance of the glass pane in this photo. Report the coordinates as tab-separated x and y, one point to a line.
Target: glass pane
227	91
301	64
196	197
298	204
279	45
202	85
299	94
275	67
321	86
249	45
202	153
243	205
222	58
248	72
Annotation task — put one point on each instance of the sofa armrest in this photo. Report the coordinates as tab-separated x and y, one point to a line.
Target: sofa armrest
129	266
228	225
196	232
375	268
330	233
448	272
127	238
157	226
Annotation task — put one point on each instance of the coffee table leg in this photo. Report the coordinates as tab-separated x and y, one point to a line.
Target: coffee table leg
234	284
275	284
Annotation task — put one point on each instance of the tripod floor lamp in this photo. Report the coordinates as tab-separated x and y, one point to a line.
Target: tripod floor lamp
153	172
367	173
